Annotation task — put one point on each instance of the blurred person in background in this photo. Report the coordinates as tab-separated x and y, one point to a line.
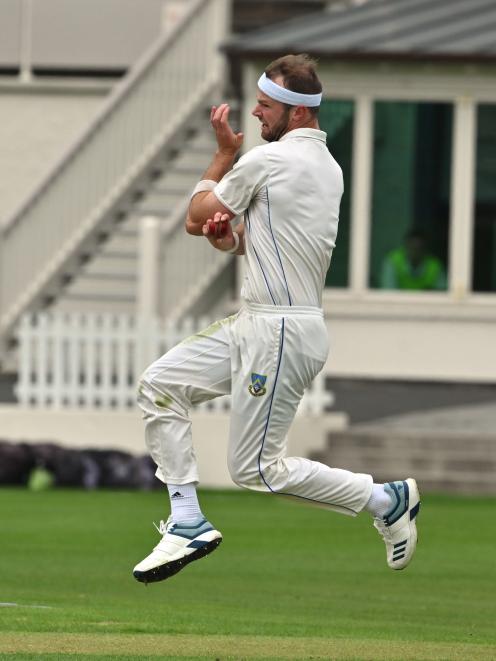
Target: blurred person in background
411	266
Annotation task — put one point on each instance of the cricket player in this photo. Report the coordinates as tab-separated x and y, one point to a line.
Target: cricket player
288	191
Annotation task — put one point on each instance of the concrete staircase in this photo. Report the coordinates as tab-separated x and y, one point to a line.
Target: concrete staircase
74	238
449	450
109	279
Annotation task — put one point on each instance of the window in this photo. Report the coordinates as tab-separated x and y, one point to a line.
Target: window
336	119
410	195
484	245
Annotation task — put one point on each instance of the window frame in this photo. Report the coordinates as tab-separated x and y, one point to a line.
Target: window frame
464	87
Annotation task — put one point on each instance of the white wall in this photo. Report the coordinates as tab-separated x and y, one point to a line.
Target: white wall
123	430
10	32
36	128
384	340
443	336
93	33
80	33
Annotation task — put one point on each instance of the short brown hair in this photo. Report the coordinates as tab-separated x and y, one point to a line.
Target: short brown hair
298	74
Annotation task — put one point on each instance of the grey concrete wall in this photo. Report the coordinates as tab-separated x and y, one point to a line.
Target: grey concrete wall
123	430
428	342
93	33
35	130
10	32
81	33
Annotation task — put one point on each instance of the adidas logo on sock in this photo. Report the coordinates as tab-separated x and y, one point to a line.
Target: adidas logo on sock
177	494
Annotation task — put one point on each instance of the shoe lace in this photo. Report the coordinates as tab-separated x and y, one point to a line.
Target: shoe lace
164	526
382	528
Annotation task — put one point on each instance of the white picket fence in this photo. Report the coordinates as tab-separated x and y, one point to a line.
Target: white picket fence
71	360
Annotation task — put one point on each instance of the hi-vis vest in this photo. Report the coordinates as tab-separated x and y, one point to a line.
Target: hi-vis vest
425	277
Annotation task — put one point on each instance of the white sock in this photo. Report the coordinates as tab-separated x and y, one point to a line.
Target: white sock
380	502
184	503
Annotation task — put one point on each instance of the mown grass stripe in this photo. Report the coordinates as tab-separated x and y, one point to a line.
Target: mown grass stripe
237	647
74	551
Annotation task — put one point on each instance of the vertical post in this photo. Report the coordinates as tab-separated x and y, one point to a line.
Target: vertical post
107	355
121	334
462	198
25	358
221	29
251	132
3	347
89	333
40	390
361	195
250	126
147	303
26	50
57	361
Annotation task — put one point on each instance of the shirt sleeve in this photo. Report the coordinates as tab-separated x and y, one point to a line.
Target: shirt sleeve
240	185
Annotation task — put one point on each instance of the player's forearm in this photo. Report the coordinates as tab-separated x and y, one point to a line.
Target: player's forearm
193	228
222	162
200	207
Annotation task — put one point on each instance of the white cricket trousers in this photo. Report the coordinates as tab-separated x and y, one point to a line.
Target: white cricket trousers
265	356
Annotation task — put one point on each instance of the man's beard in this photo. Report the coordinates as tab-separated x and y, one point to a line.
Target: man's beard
278	129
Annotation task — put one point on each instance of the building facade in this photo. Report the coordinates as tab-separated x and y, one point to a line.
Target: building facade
410	114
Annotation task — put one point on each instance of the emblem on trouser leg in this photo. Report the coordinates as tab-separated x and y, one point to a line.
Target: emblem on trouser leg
257	386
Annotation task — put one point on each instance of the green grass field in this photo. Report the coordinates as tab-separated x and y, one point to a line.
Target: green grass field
288	582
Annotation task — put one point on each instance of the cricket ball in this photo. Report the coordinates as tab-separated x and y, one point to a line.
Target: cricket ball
219	229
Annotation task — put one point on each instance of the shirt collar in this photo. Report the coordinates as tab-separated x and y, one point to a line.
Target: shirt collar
316	134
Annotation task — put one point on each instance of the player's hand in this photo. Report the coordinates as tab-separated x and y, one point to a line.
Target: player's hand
228	141
219	232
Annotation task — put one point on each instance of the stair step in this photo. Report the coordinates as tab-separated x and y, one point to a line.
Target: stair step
131	223
109	280
458	462
179	180
191	161
176	190
164	203
108	265
413	440
93	305
204	138
106	287
123	243
116	276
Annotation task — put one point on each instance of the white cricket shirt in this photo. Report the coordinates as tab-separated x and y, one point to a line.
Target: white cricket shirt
289	192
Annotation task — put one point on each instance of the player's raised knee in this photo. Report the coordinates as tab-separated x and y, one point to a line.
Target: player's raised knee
246	477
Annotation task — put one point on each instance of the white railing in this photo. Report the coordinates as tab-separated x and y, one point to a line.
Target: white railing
95	361
84	195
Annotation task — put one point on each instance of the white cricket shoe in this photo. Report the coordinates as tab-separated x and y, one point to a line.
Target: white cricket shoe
398	528
181	543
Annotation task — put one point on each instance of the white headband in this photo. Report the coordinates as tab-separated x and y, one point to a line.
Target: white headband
284	95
